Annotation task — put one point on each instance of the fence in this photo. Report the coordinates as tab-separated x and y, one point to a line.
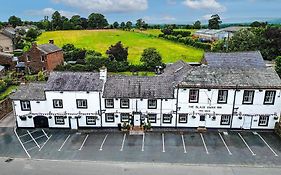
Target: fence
5	107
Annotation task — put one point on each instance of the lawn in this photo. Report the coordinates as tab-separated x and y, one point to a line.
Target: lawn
100	40
7	92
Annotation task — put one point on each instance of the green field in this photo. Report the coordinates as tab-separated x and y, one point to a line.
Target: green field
100	40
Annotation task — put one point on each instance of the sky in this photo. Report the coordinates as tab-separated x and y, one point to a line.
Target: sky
152	11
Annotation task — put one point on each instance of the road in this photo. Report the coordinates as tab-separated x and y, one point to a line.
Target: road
46	167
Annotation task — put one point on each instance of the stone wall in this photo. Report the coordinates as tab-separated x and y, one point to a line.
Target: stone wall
5	107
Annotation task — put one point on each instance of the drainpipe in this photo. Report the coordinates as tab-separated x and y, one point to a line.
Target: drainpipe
100	110
177	104
161	113
233	106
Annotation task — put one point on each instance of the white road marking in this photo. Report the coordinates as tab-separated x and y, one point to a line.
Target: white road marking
142	146
103	142
33	139
163	142
183	143
267	144
40	137
64	142
27	141
84	142
45	134
31	148
246	144
123	141
204	143
230	153
21	142
45	142
28	134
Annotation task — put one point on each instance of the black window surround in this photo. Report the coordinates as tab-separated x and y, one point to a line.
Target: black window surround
109	118
152	118
109	103
183	118
126	101
57	103
91	120
152	104
25	105
193	95
222	96
269	97
59	120
225	119
202	118
263	120
125	117
81	104
248	94
167	118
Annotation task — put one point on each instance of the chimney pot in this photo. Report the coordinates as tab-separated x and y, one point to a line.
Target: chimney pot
51	41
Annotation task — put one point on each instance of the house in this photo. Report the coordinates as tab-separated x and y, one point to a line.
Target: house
44	57
228	91
2	70
6	43
8	60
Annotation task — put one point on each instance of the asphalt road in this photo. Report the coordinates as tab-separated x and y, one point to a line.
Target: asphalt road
46	167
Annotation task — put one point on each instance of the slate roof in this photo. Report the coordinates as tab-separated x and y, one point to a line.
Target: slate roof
74	81
48	48
214	77
119	86
20	65
234	28
235	60
31	91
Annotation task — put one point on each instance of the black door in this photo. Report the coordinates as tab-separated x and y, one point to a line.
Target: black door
41	122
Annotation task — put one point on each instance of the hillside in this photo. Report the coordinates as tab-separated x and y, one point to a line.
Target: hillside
100	40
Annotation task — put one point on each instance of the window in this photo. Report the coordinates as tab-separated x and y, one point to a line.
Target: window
222	96
124	117
81	104
202	118
152	104
57	104
248	97
263	121
109	117
167	118
28	58
269	97
109	103
124	103
183	118
91	120
193	96
225	119
152	118
42	59
59	120
25	105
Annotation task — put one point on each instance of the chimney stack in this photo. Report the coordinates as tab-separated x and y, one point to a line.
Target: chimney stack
103	73
51	41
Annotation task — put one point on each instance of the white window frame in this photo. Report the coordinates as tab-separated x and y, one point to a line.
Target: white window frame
57	103
25	105
222	96
248	97
124	103
263	120
152	118
183	118
81	103
269	97
152	104
109	117
109	103
59	120
193	93
42	58
225	119
167	118
91	120
125	117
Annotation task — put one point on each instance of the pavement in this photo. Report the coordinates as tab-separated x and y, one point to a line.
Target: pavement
8	121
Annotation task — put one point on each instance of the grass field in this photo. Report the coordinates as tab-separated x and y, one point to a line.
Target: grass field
100	40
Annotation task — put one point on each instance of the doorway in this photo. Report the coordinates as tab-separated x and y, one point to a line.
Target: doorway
41	122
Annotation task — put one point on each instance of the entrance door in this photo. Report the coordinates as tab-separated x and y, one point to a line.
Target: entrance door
247	122
73	123
137	119
202	120
41	122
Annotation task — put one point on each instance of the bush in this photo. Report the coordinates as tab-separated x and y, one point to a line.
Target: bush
3	85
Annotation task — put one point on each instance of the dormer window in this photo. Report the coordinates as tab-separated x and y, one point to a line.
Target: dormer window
42	58
28	58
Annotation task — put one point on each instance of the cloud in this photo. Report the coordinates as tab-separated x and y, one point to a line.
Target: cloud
207	16
162	19
49	12
205	4
171	2
106	5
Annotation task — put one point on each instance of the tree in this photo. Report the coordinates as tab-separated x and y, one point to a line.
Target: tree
97	21
84	23
258	24
32	34
117	52
76	22
115	25
15	21
278	65
129	25
123	25
41	76
197	25
214	22
167	30
271	46
141	24
151	58
57	22
71	53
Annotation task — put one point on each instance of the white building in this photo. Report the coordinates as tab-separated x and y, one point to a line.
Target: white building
230	90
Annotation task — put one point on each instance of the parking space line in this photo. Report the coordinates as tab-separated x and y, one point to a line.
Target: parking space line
15	131
31	148
163	142
45	142
64	142
246	144
204	143
45	133
27	141
183	143
142	146
84	142
28	134
229	152
267	144
103	142
39	137
123	141
33	139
